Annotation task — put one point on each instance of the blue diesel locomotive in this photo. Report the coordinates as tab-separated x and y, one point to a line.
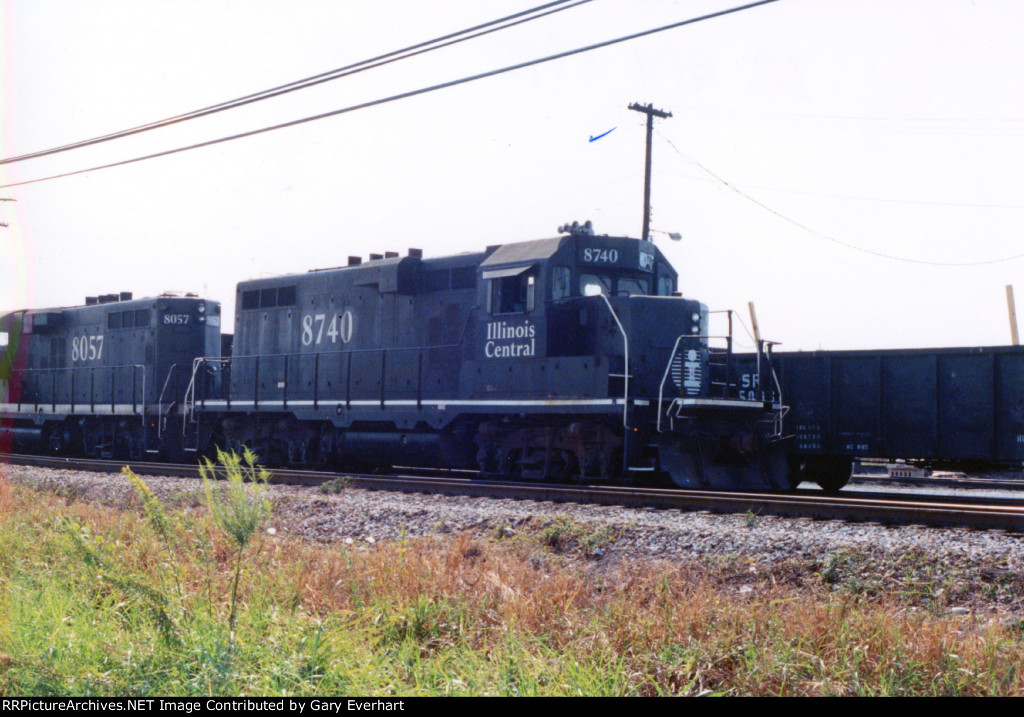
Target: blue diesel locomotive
571	358
104	379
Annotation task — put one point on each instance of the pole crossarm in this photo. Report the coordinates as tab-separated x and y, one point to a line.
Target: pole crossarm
648	109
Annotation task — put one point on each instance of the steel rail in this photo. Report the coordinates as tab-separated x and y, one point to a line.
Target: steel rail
914	510
941	482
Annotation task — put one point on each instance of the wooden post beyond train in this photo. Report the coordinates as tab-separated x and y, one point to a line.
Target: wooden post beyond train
571	358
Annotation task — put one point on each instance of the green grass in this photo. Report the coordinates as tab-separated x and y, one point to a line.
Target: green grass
563	533
100	601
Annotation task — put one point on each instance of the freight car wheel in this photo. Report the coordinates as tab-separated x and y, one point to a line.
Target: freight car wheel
831	473
797	473
832	484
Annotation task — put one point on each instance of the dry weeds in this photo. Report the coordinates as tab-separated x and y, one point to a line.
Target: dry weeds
682	627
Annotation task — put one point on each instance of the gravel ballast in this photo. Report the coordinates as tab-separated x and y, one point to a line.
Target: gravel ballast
955	571
368	516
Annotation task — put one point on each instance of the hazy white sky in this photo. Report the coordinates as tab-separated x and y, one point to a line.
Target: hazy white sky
801	129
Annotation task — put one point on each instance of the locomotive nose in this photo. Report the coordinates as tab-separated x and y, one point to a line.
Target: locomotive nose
670	351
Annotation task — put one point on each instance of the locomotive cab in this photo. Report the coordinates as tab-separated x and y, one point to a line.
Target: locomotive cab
595	327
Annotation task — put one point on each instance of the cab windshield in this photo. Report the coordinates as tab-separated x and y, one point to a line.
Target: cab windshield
616	285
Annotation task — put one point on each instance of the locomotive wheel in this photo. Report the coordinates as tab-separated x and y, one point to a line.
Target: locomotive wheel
62	440
564	468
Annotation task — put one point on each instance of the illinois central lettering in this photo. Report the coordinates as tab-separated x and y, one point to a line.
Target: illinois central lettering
508	341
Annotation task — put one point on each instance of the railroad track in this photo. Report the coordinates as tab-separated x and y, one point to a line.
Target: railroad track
984	513
941	482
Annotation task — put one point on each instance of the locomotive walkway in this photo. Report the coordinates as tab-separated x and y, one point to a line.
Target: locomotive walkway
981	512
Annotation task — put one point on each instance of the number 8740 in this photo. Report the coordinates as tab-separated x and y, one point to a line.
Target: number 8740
338	330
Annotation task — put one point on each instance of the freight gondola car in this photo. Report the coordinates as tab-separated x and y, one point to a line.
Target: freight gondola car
937	406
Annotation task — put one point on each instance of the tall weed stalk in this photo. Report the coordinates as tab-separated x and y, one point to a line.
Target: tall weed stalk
96	557
239	507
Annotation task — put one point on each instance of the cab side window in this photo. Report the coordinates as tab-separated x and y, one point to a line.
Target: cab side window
560	286
513	294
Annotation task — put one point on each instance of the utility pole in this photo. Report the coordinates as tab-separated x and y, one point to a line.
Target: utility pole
651	114
1011	306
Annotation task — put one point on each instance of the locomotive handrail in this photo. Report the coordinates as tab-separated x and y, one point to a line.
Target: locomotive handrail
53	372
160	399
671	358
664	377
331	353
342	355
625	377
189	399
728	345
675	349
778	392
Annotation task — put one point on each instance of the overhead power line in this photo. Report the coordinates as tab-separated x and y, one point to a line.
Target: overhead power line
405	95
890	200
858	197
908	260
856	118
437	43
